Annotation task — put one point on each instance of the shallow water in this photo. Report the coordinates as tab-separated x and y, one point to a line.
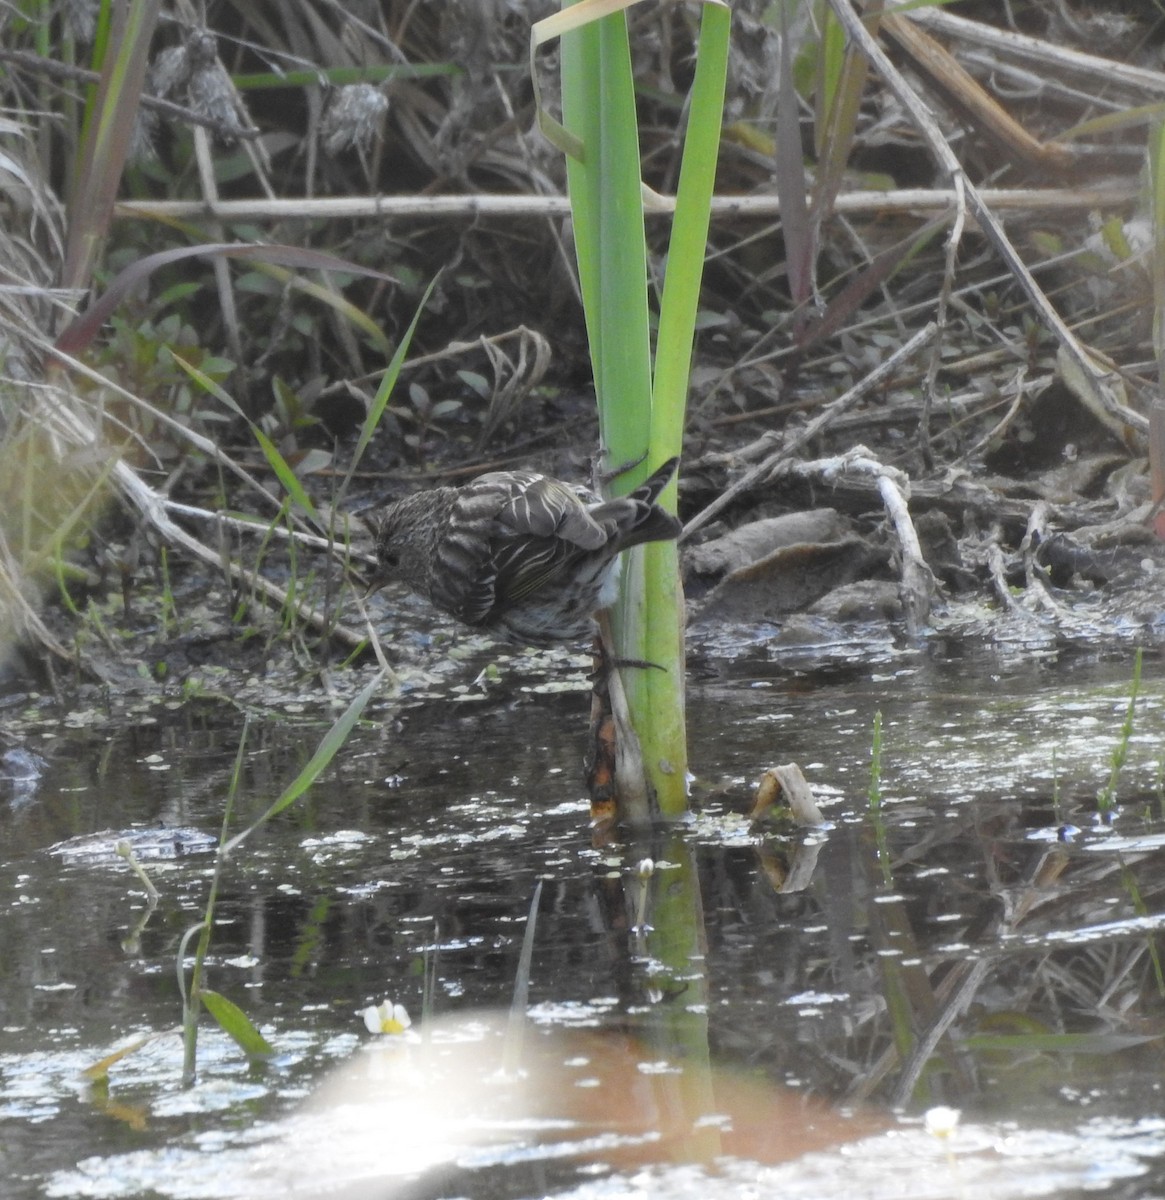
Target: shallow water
980	941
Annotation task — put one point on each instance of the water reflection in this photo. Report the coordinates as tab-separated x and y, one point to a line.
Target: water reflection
955	950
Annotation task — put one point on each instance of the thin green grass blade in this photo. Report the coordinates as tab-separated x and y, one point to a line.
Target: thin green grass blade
679	301
1156	189
278	464
1157	206
192	998
1023	1045
830	59
332	742
387	384
342	76
328	294
80	332
841	83
286	475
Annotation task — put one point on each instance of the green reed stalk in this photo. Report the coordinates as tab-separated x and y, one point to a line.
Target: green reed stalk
641	399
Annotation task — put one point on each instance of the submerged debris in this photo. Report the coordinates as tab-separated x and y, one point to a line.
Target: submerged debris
148	845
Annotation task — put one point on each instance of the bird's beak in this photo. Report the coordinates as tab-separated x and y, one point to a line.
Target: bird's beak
375	582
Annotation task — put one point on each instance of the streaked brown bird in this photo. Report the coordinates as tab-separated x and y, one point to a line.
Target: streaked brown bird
525	556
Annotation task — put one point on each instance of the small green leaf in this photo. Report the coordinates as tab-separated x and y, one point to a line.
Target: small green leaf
180	291
285	474
100	1069
233	1021
444	408
476	381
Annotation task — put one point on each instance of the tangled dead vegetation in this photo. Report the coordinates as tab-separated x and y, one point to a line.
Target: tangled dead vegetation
934	324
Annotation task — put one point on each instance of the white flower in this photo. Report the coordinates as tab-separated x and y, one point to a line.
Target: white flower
386	1017
940	1122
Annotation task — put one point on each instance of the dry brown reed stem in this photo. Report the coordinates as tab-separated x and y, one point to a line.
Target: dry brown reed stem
1092	385
62	416
874	203
1055	60
222	272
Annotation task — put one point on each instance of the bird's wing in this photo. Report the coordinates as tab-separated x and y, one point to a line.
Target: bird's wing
464	579
535	526
526	564
476	602
545	508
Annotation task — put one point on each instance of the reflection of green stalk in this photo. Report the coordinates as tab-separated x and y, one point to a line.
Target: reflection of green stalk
191	1001
1059	816
875	790
516	1025
905	989
874	795
1133	889
883	919
1106	801
677	1029
891	936
228	1015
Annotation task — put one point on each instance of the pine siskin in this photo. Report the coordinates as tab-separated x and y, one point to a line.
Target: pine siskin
527	557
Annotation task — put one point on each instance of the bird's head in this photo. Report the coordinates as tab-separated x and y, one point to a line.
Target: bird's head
403	532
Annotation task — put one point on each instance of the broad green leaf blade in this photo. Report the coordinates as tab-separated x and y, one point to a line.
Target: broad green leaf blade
598	103
641	412
660	693
233	1021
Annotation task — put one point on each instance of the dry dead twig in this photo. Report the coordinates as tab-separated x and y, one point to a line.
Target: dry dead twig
765	469
916	584
1099	389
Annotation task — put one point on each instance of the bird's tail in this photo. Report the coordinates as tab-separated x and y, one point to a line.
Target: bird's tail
650	488
637	516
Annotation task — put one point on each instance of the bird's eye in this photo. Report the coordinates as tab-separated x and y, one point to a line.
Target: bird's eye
389	558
